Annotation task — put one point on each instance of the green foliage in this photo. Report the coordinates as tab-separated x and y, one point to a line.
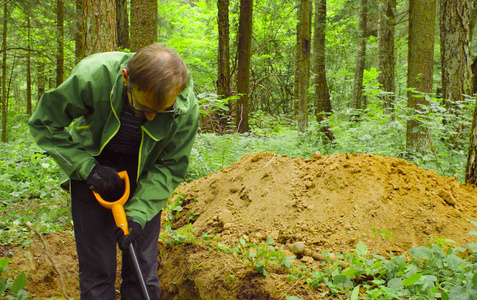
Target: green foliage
29	190
261	256
11	288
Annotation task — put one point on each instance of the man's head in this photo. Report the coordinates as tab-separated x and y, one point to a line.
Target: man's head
155	76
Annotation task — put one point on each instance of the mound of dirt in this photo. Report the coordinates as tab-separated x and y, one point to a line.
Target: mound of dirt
327	203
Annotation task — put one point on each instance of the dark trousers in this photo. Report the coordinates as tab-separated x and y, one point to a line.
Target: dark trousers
94	229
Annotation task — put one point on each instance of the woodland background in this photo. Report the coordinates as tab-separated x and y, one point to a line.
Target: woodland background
312	66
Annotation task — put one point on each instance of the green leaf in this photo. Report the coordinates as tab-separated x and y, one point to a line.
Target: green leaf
261	269
350	272
19	283
293	298
3	263
361	249
270	240
421	252
474	280
412	279
3	285
355	293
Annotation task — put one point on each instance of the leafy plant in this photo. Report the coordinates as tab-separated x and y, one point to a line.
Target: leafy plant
10	287
260	256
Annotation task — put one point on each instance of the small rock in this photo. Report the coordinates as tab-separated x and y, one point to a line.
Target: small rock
298	248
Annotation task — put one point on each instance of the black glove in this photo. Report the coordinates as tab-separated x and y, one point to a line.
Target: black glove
106	182
135	230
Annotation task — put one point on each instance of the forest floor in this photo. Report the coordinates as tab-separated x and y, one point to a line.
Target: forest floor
327	203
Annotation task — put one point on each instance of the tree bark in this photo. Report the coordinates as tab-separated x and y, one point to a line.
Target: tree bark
79	35
60	38
223	80
28	67
243	69
4	74
303	63
422	14
386	59
360	56
122	23
473	18
99	25
322	95
143	23
455	52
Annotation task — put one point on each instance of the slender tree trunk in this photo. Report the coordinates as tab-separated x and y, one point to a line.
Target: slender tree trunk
223	81
386	60
243	69
41	80
122	23
223	65
4	74
28	68
303	65
455	61
79	35
361	56
60	58
322	95
471	167
143	23
99	25
422	14
298	59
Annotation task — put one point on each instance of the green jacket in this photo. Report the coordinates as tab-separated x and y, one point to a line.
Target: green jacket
92	98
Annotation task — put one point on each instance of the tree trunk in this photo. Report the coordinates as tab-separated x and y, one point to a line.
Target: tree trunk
99	25
143	23
60	38
303	64
422	14
473	18
471	167
41	80
361	56
79	35
122	23
322	95
386	60
4	74
223	81
243	69
455	60
28	67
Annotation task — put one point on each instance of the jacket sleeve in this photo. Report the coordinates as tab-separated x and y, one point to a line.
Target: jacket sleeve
167	173
48	125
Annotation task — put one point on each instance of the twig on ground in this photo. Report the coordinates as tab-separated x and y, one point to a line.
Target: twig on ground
47	252
289	289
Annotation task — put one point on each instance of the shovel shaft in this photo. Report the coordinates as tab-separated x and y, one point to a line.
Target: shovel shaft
137	269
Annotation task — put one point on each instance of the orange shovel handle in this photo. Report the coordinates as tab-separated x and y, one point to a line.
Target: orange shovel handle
117	207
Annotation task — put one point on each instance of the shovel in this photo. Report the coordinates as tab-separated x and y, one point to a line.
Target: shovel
117	207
